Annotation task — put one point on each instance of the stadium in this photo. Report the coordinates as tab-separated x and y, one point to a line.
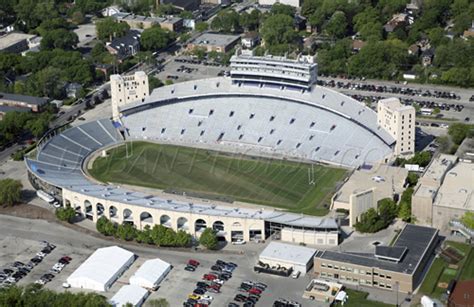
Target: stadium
269	109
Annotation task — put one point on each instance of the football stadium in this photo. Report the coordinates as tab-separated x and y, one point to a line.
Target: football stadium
247	154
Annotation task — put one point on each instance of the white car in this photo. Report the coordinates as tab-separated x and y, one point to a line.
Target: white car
40	282
41	254
295	274
207	297
239	242
218	281
66	285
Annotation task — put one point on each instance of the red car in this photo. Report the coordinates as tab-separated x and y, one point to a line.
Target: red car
66	258
255	291
193	262
209	277
215	286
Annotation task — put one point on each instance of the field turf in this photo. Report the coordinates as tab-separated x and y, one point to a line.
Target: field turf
216	175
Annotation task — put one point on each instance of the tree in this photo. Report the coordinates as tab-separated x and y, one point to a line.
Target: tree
201	26
126	232
154	82
468	219
155	38
161	302
66	214
46	82
458	132
186	15
108	28
404	208
183	239
227	21
59	38
412	179
77	17
336	27
284	9
208	239
278	34
10	192
250	21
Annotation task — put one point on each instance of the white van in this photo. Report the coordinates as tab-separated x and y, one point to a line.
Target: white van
295	274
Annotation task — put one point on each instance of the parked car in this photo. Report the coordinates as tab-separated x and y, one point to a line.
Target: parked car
190	268
209	277
193	262
295	274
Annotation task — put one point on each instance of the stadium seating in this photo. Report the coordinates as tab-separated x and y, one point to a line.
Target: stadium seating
259	126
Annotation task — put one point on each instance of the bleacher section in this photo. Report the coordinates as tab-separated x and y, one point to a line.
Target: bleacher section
259	125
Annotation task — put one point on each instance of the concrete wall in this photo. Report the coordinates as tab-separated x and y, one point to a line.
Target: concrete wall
309	237
142	216
360	203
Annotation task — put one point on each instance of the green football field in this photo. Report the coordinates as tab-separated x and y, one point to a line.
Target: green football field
216	175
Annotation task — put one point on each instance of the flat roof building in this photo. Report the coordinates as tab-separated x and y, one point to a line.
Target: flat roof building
296	257
214	42
427	188
385	181
465	151
462	295
33	103
400	265
294	3
15	42
101	269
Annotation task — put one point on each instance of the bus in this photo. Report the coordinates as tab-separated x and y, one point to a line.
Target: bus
426	111
45	196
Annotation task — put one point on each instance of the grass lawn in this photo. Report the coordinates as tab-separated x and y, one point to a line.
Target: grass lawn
359	298
440	272
468	268
215	175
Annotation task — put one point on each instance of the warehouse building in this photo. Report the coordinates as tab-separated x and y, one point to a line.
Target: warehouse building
150	274
290	257
129	295
101	269
397	267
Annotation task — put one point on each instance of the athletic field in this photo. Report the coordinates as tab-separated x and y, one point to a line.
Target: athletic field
222	176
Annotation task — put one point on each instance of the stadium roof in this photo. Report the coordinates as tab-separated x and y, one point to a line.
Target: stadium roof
288	253
150	273
101	268
319	96
411	245
129	294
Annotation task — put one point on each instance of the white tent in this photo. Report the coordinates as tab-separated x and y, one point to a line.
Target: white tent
150	274
101	269
129	294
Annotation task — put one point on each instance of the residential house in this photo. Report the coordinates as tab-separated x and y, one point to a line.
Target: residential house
427	57
414	50
469	33
250	40
125	46
15	42
398	21
73	89
111	10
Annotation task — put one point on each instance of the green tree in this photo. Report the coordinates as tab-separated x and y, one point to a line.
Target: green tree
468	219
154	82
201	26
126	232
46	83
387	209
336	27
10	192
412	179
183	239
155	38
458	132
59	38
144	236
250	21
108	28
404	208
208	239
278	34
284	9
78	17
227	21
66	214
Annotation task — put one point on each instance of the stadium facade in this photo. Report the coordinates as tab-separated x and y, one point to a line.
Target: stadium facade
278	112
